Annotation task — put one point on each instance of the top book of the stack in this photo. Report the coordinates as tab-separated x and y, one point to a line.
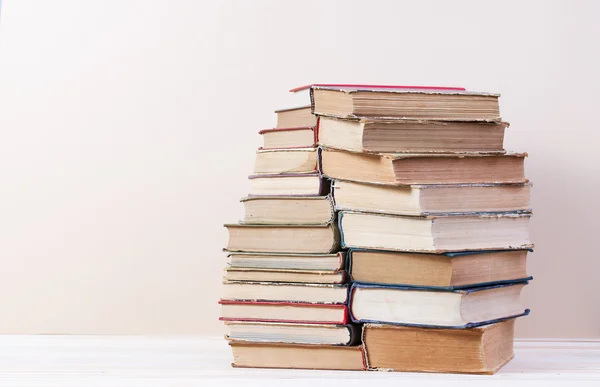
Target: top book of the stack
421	103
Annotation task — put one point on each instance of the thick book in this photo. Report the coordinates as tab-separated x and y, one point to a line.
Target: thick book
297	356
435	233
430	199
278	138
334	261
295	160
467	308
291	312
283	238
290	184
285	292
414	136
285	275
385	102
432	168
270	332
444	271
288	210
296	117
482	350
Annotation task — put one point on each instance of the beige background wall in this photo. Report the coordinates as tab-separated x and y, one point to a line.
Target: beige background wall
128	129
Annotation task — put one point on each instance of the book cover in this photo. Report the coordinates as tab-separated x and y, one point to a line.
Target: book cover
449	255
354	286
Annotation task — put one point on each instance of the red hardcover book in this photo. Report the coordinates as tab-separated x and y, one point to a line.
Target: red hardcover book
290	312
363	86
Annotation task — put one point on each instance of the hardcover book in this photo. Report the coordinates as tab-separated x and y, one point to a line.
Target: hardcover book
468	308
449	271
482	350
430	199
297	356
435	233
280	138
263	260
296	117
291	312
285	275
413	168
269	332
415	136
288	210
285	292
293	160
386	102
290	184
283	238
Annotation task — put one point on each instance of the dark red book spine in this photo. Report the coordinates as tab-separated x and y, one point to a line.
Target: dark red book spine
359	86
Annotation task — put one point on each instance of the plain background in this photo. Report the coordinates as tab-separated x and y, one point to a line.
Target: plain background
128	129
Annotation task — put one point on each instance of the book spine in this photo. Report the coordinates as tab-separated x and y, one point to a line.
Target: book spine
340	216
349	264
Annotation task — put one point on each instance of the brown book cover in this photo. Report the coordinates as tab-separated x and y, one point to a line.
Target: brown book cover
482	350
397	102
415	168
283	238
297	356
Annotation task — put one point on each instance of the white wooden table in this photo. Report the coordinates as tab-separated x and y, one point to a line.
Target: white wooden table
68	361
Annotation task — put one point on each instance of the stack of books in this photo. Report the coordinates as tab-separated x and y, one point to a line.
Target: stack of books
386	229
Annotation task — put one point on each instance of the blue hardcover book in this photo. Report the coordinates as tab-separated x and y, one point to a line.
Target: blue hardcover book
409	306
446	271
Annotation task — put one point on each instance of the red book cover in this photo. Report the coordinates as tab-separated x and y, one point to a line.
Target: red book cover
361	86
262	131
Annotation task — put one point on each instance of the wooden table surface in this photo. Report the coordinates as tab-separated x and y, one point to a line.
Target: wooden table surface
149	361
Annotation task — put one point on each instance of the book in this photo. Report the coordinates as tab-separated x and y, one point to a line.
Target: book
300	160
385	102
296	117
283	238
435	233
335	261
415	136
278	291
288	210
285	275
279	138
301	90
434	307
300	96
447	271
269	332
430	199
482	350
297	356
413	168
293	312
295	184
